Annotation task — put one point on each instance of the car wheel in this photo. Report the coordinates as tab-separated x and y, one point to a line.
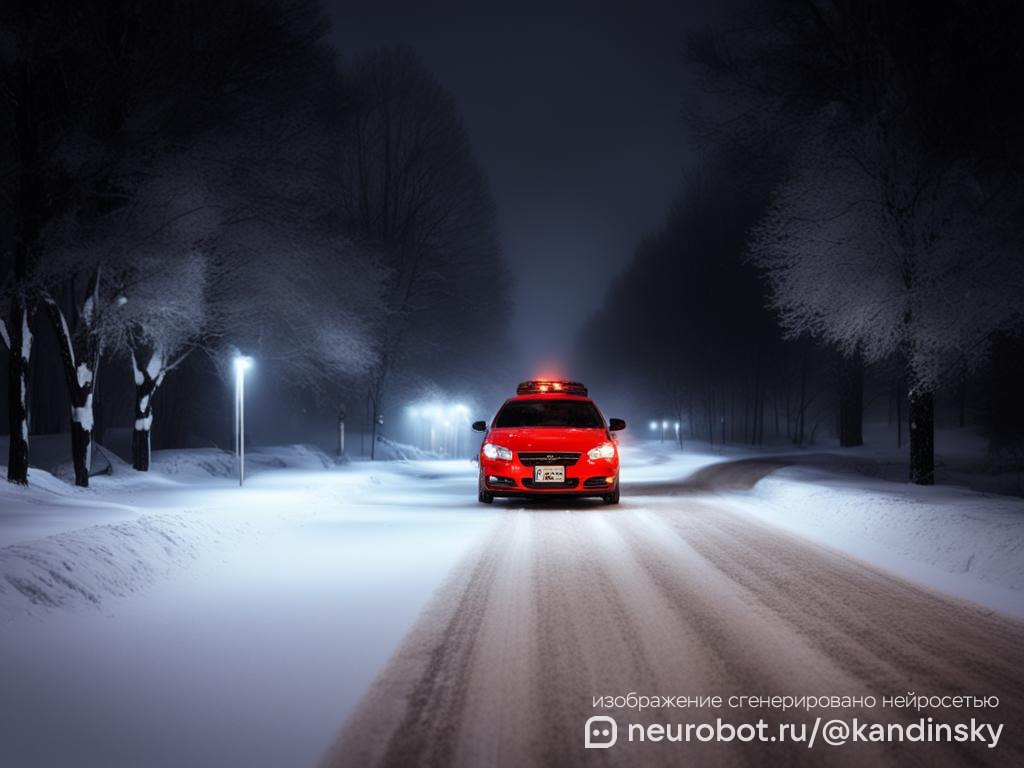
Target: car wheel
612	498
483	496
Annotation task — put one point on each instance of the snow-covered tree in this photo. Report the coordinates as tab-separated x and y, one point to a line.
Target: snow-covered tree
876	247
159	319
301	303
119	103
896	229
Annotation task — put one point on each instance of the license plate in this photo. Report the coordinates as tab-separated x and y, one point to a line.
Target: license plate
549	474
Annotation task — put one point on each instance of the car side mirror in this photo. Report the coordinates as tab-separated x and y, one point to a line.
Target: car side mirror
614	425
479	426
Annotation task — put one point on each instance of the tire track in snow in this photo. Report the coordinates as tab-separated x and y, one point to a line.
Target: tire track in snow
890	636
557	607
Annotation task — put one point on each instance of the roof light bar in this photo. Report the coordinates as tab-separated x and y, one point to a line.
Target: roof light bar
541	386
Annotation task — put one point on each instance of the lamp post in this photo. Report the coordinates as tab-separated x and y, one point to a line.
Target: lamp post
242	364
664	426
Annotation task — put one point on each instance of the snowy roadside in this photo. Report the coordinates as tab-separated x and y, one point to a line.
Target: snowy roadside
103	561
249	653
71	548
958	541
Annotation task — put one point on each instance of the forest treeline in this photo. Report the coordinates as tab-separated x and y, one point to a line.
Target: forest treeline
181	180
852	235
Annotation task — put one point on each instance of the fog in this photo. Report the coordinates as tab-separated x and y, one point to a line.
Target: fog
399	208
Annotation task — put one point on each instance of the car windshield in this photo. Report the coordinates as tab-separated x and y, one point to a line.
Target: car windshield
549	413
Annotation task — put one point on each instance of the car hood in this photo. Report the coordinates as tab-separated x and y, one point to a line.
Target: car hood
547	438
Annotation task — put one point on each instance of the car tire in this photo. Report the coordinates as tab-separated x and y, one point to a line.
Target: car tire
613	497
483	496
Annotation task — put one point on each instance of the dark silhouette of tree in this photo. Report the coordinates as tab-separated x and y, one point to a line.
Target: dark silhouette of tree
411	189
686	328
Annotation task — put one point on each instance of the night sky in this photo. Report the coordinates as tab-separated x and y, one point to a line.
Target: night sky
575	111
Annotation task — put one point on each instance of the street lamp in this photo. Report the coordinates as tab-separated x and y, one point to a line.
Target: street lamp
242	364
664	426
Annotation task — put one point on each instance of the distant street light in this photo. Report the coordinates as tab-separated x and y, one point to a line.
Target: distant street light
438	426
664	426
242	364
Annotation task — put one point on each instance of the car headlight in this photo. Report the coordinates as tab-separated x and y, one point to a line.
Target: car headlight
492	451
603	451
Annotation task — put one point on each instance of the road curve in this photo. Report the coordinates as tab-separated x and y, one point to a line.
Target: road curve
556	607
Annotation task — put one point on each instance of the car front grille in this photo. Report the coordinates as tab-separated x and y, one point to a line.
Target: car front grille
546	458
570	482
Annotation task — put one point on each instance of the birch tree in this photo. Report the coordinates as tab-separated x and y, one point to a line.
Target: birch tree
30	86
145	91
161	316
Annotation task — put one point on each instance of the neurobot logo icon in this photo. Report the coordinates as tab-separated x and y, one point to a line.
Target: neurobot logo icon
600	732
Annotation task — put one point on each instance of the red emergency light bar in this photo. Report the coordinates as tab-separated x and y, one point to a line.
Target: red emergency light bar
539	387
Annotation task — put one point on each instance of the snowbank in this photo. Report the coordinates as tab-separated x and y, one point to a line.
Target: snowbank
389	450
213	462
67	547
116	560
965	543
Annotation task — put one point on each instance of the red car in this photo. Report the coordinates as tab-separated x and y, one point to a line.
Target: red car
549	439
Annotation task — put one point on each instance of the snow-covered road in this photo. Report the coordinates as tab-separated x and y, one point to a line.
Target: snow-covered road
179	620
667	597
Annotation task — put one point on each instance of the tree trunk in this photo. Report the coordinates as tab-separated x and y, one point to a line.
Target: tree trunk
922	437
1005	412
962	397
81	434
710	406
747	414
19	351
79	372
851	401
81	452
802	411
373	431
141	443
899	414
29	210
141	450
148	378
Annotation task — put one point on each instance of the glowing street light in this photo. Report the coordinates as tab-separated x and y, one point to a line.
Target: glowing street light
242	364
438	424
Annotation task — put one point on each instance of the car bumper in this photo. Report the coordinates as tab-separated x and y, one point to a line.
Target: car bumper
585	478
